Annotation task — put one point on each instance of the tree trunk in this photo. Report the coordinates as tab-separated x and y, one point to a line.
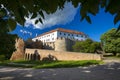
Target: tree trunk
114	53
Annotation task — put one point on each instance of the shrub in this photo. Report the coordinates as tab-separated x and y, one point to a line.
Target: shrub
2	57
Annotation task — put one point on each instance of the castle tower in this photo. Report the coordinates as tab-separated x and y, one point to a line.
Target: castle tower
63	44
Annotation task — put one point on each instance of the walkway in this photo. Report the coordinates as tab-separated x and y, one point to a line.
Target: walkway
108	71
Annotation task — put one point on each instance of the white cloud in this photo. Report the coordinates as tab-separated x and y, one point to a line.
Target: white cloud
25	32
63	16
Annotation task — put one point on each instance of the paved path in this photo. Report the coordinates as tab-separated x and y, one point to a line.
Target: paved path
108	71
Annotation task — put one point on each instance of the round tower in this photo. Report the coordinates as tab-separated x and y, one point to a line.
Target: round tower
63	44
60	44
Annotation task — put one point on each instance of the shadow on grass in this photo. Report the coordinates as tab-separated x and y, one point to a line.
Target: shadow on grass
49	64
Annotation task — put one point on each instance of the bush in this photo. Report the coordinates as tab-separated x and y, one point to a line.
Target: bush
7	46
2	57
87	46
31	44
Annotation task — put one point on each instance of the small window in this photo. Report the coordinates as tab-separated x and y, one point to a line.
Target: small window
77	35
64	34
60	33
68	34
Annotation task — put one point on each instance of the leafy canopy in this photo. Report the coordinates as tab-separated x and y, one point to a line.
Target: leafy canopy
17	10
34	45
87	46
111	41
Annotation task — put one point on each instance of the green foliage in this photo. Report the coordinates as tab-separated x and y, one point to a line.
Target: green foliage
49	64
7	41
7	44
111	41
31	44
87	46
2	57
21	8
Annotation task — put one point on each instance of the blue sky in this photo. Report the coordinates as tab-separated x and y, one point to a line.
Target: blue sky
68	18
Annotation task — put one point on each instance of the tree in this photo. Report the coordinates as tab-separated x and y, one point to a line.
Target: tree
16	10
34	45
87	46
7	44
111	41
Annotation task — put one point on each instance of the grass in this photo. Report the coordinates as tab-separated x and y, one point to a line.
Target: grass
49	64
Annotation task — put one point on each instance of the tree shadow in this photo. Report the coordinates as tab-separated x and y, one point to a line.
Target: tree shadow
50	58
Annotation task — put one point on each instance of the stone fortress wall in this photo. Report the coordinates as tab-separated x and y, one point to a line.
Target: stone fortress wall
60	44
59	55
63	44
49	45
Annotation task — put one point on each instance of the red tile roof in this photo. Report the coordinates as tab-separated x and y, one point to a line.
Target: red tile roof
62	30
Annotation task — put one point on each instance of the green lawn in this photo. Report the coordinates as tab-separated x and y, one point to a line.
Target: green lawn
49	64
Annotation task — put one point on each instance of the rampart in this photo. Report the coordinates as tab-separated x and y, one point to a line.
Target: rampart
60	55
60	44
63	44
49	45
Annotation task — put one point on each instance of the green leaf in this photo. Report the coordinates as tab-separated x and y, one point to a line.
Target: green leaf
36	21
41	13
88	19
117	18
34	15
103	3
40	20
11	24
3	12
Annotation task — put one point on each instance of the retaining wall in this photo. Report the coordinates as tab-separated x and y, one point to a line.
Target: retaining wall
60	55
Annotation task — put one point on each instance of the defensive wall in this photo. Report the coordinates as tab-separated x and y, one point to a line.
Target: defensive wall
60	44
63	44
49	45
30	54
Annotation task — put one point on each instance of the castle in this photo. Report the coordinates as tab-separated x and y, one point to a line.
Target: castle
60	39
63	41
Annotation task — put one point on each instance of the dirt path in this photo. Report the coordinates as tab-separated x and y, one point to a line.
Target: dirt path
111	60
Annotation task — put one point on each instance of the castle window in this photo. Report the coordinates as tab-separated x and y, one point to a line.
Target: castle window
77	35
81	35
60	33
